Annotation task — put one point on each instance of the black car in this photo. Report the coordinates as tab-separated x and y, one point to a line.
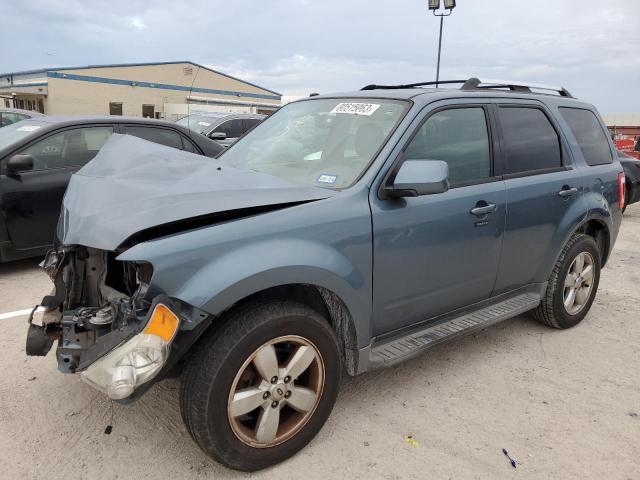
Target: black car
38	157
9	116
631	168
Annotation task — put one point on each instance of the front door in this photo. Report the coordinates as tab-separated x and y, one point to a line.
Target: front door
31	200
432	254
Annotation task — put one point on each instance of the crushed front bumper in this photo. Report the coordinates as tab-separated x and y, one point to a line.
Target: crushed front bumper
113	343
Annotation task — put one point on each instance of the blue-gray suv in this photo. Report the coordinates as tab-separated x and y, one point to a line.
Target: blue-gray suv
346	232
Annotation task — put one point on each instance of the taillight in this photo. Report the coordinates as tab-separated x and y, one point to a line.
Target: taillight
621	190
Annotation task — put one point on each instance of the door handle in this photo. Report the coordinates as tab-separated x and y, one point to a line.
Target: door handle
567	192
483	208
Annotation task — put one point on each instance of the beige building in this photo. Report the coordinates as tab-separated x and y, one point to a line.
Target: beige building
161	90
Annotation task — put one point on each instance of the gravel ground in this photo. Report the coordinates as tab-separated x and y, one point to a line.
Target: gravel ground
566	404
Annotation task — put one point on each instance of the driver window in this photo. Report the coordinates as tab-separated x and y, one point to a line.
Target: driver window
458	136
68	148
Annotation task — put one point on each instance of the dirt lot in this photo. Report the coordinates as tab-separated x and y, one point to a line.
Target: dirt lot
566	404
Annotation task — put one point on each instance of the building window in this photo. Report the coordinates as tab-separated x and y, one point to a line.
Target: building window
7	104
148	111
115	108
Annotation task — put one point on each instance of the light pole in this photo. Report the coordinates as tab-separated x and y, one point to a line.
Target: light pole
434	5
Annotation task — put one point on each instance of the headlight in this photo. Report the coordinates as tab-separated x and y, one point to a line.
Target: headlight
136	361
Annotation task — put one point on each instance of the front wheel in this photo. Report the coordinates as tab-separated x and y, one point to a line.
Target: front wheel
257	390
572	285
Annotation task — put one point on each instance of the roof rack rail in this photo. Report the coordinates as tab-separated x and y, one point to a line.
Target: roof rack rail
480	84
410	85
477	83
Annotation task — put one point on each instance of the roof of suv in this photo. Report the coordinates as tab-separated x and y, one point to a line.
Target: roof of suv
471	88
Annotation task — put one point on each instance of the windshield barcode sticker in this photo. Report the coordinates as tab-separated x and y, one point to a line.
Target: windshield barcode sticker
204	124
356	108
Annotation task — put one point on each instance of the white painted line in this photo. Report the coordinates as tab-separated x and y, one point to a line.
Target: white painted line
19	313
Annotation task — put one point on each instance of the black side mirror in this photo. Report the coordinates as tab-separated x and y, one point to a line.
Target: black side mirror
218	136
20	163
419	177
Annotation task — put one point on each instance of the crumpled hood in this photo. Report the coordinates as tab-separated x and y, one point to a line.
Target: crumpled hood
133	185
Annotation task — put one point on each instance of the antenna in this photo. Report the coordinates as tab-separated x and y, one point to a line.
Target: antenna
189	96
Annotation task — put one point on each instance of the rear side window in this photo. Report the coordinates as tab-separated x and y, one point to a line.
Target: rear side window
459	137
589	134
531	143
162	136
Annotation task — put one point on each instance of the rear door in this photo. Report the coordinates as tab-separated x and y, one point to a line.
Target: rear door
437	253
544	192
31	200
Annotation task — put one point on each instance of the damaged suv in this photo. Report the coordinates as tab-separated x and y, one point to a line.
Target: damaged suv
346	232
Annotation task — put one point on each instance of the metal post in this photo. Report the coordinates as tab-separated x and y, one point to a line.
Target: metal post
439	50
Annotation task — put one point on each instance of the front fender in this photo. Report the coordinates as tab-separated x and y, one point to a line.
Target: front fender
252	268
215	267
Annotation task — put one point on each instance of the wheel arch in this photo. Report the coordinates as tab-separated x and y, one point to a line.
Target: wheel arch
319	298
599	231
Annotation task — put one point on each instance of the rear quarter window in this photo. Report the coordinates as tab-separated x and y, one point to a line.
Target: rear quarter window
589	134
163	136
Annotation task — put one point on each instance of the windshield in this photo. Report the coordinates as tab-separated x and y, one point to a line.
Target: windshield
325	143
17	131
198	123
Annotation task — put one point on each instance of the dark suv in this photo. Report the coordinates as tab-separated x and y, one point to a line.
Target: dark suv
348	231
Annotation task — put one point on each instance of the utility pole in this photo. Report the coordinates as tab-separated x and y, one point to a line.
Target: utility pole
434	6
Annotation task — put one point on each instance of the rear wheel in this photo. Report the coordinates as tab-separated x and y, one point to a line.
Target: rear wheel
258	390
572	285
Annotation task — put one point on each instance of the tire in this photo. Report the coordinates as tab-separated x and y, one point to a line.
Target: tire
552	310
227	358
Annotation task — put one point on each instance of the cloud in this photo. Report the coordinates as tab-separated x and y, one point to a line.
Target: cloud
300	46
136	23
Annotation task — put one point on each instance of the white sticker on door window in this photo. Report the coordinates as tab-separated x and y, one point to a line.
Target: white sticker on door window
356	108
28	128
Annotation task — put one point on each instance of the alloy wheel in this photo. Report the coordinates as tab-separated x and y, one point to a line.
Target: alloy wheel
578	283
276	391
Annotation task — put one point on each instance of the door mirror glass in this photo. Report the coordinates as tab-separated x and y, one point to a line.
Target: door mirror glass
420	177
20	163
218	136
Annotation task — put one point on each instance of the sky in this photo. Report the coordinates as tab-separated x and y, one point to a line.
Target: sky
296	47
